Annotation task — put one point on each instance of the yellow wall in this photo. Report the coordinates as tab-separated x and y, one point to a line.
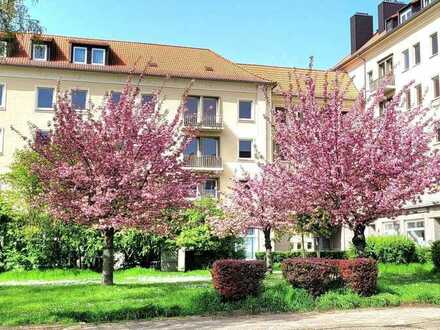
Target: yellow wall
20	108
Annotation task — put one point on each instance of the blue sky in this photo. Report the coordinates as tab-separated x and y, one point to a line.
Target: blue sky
278	32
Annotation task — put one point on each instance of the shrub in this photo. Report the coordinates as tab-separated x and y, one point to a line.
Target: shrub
360	275
312	274
280	256
391	249
423	254
237	279
435	250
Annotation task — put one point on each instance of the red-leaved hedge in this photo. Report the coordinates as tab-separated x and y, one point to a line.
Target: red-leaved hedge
312	274
360	275
236	279
320	275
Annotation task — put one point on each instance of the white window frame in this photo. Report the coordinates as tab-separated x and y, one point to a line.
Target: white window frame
426	3
433	78
391	232
2	140
87	96
405	15
45	52
252	111
5	49
114	91
416	229
252	149
415	53
97	49
3	97
434	36
406	53
73	55
36	99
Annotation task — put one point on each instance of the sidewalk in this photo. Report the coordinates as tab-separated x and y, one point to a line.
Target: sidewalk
422	317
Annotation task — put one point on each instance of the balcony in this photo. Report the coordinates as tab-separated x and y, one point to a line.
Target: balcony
387	82
203	122
203	163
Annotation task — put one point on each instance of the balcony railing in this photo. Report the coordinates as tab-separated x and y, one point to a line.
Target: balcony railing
388	82
203	162
207	122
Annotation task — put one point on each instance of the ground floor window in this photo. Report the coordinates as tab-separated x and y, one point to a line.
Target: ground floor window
416	230
250	243
391	228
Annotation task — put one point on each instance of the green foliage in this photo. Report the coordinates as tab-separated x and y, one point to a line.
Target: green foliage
423	254
280	256
390	249
435	248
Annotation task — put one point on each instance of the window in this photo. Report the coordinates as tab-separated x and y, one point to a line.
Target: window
2	96
436	86
45	96
370	79
209	109
391	228
192	107
98	56
2	139
405	54
434	44
209	188
250	243
386	67
115	96
298	246
417	57
245	110
437	135
191	148
245	149
426	3
147	98
408	99
405	15
416	230
3	49
80	55
42	136
419	94
39	52
309	245
79	99
208	146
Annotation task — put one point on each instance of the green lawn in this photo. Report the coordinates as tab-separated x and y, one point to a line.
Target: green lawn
21	305
88	275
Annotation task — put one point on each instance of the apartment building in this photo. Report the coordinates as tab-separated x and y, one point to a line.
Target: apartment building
405	48
227	104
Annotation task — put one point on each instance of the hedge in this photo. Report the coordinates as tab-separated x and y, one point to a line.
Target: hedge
237	279
317	276
435	250
280	256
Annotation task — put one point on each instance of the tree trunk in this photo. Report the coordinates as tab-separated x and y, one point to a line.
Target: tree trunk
107	257
318	247
268	246
303	247
359	240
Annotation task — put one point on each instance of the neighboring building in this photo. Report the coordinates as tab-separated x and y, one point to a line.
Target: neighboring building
405	48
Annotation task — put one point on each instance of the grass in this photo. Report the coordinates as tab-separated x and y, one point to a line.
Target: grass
398	284
88	275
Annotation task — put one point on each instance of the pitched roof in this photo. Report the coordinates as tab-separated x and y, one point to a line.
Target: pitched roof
124	56
284	76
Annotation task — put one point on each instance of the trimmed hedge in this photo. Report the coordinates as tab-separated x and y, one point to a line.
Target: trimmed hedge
360	275
280	256
237	279
317	276
435	250
390	249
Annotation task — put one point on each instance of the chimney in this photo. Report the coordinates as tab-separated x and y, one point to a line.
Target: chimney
385	10
361	26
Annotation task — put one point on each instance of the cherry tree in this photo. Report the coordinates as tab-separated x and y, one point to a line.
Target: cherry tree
351	162
258	202
117	167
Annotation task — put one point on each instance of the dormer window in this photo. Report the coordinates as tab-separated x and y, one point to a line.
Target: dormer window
3	48
405	15
80	55
39	52
98	56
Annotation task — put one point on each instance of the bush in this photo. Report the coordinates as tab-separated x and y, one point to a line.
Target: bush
435	250
423	254
360	275
317	276
278	257
237	279
390	249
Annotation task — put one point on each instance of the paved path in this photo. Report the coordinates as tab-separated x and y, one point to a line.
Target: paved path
128	280
397	318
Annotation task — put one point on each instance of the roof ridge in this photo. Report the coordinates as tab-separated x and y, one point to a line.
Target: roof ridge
286	67
112	40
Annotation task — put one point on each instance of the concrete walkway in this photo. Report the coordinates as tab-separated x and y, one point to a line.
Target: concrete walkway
420	317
